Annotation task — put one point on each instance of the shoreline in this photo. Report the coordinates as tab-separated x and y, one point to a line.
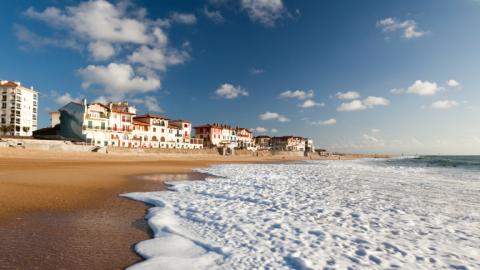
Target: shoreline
63	210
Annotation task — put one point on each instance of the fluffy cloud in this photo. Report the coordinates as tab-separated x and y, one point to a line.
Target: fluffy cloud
265	130
261	130
273	116
229	91
215	15
328	122
397	91
310	104
375	101
348	95
444	104
150	103
101	50
375	130
65	99
265	12
157	58
453	83
423	88
95	20
408	27
137	47
298	94
355	105
117	80
183	18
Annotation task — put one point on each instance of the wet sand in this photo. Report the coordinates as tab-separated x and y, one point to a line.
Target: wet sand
62	210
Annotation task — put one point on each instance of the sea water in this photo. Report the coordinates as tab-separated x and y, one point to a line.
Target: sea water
409	213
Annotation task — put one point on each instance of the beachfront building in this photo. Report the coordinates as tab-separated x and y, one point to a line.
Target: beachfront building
288	143
245	139
309	146
116	124
263	142
18	109
216	135
54	118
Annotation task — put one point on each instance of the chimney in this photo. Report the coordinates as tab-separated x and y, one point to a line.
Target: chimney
84	102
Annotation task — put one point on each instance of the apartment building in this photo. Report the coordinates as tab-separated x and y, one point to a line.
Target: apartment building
18	109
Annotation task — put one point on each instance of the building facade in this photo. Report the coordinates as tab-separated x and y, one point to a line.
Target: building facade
117	125
18	109
245	139
288	143
263	142
217	135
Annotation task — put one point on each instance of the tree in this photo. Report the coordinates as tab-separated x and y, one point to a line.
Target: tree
3	129
26	129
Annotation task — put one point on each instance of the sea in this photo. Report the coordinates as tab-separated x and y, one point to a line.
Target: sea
420	212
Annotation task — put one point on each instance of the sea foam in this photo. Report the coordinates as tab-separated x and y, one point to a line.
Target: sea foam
315	215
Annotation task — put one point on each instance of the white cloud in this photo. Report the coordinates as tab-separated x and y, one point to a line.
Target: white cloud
298	94
453	83
261	130
408	27
33	40
375	101
274	130
354	105
117	80
357	105
328	122
310	104
265	12
150	103
348	95
369	138
183	18
65	99
95	20
157	58
101	50
423	88
273	116
137	46
375	130
397	91
229	91
444	104
215	15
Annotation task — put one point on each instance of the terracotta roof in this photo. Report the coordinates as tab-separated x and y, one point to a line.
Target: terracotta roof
119	111
180	120
172	126
151	116
215	126
140	123
8	84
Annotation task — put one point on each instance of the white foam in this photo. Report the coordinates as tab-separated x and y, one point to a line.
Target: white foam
325	214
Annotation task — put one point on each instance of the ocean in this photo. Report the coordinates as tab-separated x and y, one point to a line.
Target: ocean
408	213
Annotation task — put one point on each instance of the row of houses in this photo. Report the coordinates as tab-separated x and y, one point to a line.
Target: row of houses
118	125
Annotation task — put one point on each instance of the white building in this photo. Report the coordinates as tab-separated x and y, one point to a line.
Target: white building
18	109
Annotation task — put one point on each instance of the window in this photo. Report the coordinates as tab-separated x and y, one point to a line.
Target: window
102	125
154	130
90	124
4	105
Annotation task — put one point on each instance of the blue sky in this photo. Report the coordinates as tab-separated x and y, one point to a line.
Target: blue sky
358	76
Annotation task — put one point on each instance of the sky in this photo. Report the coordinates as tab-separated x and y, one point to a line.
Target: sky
355	76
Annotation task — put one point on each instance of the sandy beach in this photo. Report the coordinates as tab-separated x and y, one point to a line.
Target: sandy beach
62	210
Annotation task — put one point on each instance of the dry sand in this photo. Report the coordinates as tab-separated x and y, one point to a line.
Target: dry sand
61	210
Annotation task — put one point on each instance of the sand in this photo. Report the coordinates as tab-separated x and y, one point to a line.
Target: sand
61	210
